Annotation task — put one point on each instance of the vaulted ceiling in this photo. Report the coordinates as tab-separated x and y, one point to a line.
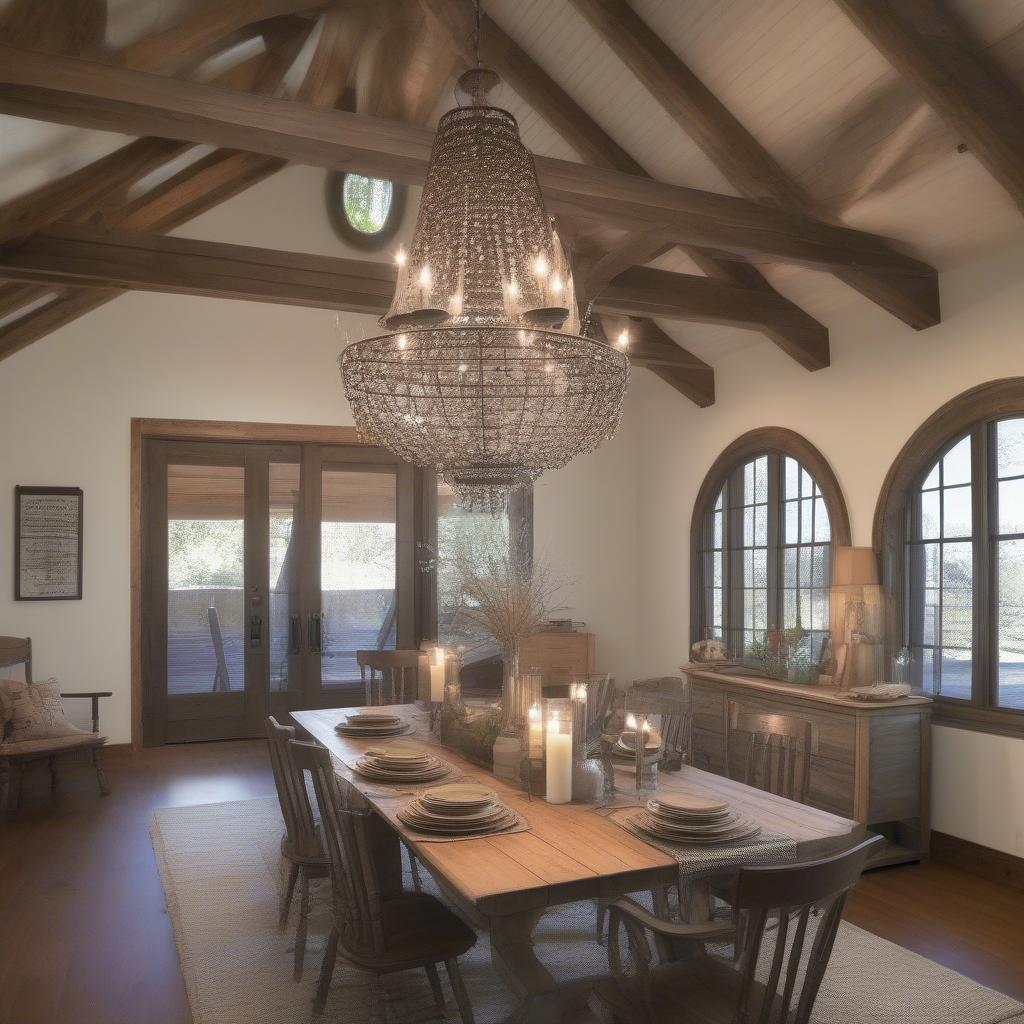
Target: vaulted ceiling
728	174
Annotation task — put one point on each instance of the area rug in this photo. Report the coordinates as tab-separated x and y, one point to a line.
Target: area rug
222	873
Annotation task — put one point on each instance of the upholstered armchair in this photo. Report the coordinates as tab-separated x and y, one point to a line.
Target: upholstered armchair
33	727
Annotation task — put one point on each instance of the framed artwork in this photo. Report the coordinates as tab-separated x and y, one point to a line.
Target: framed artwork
47	543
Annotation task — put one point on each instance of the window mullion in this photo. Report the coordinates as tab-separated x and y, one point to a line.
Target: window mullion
774	553
984	602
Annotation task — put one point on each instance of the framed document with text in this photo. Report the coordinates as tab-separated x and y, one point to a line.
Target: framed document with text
47	543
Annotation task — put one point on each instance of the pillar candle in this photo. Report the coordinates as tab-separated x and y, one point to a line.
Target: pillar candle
437	675
559	764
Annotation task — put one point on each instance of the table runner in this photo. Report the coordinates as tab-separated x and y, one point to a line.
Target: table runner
701	861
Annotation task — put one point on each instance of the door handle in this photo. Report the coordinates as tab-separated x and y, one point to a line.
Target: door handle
255	631
295	634
314	632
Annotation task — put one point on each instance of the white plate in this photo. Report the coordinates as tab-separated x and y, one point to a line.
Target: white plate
458	795
684	803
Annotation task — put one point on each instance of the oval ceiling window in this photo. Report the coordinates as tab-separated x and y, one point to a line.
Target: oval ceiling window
365	211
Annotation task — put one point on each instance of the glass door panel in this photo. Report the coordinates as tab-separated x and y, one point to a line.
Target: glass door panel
358	569
205	579
284	629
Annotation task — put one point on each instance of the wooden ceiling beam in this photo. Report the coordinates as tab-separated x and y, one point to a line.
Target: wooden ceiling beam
54	88
914	298
74	27
661	293
652	348
75	257
212	21
927	43
191	192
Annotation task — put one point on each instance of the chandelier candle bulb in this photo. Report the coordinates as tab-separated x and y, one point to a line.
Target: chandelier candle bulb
558	769
437	666
623	339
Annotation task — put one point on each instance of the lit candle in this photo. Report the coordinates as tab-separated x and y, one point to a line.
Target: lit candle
536	733
401	259
559	764
578	694
437	675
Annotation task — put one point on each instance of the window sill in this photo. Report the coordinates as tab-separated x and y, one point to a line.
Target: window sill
994	721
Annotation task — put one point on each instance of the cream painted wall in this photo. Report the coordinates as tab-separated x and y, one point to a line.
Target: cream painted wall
66	403
885	379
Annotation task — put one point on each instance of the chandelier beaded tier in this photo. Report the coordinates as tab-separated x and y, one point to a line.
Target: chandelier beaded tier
484	373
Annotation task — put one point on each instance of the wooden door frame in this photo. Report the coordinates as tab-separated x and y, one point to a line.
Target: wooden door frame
143	428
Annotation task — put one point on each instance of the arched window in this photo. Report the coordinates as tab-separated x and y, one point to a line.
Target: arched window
763	527
950	527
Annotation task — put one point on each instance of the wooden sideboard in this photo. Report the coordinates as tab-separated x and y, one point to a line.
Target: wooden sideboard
869	762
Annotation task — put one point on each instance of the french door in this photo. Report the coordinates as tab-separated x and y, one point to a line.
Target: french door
266	567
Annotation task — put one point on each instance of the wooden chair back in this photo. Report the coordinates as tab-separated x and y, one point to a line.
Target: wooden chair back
771	752
390	677
774	906
669	698
303	841
221	679
356	890
16	650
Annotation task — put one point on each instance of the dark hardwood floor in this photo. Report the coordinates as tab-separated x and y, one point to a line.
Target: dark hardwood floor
85	939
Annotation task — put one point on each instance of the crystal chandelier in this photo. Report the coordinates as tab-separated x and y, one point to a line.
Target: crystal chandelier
484	373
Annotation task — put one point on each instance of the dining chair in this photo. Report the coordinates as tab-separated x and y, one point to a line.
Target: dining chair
301	844
669	698
381	934
771	925
393	676
769	751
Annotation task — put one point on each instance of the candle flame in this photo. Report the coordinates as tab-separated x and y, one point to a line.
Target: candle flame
534	713
630	721
401	256
622	341
540	265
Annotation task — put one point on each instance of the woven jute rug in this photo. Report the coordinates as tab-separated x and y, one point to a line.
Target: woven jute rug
221	872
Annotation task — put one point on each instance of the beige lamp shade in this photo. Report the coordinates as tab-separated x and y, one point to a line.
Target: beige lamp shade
854	567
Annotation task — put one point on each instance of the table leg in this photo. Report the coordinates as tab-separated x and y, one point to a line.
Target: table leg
387	855
541	999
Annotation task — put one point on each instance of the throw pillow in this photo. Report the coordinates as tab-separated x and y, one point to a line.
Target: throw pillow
34	711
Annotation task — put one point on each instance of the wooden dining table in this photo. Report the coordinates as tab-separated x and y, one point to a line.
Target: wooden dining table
505	883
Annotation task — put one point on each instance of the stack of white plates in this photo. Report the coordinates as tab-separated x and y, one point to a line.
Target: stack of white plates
371	723
399	763
693	819
459	809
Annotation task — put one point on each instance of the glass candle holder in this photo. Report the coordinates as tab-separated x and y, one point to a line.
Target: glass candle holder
645	764
558	751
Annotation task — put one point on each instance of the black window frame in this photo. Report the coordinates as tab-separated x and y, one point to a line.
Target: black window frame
974	414
726	477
